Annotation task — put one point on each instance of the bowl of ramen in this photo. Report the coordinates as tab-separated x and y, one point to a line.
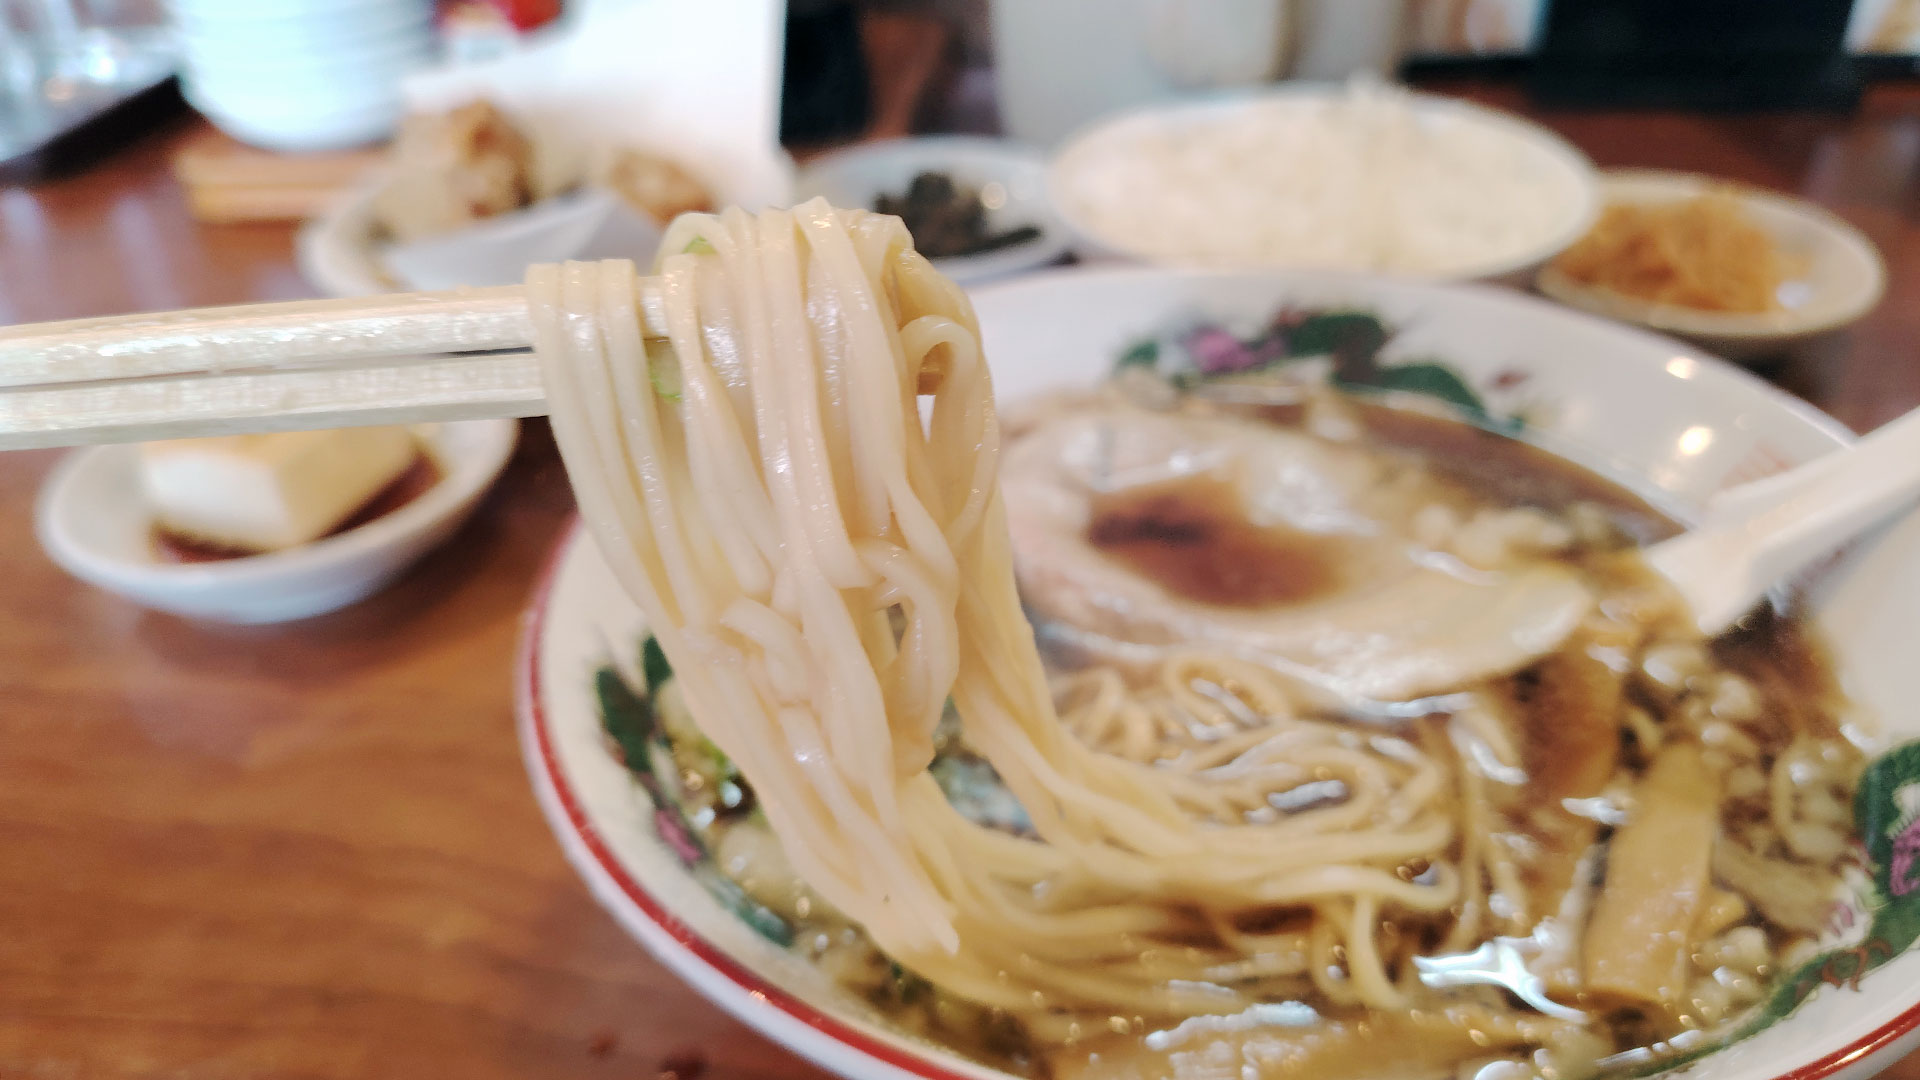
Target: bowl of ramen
1291	684
1741	271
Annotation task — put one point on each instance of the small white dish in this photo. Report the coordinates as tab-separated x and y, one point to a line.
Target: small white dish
589	224
93	522
1841	279
1011	179
343	252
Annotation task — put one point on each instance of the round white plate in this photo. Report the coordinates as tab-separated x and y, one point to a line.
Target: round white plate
1011	178
92	519
1675	423
1841	275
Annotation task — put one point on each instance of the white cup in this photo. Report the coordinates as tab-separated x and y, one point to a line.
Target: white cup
1342	38
1061	63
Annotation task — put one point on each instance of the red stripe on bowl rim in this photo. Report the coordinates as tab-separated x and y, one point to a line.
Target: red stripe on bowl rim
535	718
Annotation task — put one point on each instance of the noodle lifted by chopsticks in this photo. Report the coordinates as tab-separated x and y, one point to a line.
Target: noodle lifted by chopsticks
825	571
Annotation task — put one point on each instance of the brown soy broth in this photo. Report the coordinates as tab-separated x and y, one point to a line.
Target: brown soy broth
419	478
1775	649
1791	666
1190	536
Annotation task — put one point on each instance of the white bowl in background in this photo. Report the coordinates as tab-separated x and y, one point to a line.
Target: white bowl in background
1841	279
270	69
290	109
314	31
1671	422
315	37
298	133
238	12
302	75
1078	167
296	97
298	92
92	520
1010	175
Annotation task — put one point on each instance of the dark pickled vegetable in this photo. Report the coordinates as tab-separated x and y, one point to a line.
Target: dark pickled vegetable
948	219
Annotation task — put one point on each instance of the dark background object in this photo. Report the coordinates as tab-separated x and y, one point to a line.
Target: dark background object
824	92
98	136
1716	54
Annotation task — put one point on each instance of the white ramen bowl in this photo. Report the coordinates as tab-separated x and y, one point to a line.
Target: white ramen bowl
1671	422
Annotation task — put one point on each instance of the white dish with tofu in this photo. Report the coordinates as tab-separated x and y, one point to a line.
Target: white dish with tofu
266	528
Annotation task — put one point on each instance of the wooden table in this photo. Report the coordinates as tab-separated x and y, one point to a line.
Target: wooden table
310	851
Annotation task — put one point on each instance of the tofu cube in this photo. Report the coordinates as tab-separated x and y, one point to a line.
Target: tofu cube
270	492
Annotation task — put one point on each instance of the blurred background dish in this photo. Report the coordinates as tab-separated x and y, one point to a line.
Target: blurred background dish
581	145
995	221
1823	273
96	519
302	75
468	196
1363	177
1125	54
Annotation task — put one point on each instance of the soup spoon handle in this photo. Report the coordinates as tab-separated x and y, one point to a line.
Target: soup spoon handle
1750	545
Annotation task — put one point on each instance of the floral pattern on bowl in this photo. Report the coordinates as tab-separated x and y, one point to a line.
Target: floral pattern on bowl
1350	341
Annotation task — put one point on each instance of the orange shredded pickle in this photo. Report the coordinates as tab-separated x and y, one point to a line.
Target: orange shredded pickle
1702	253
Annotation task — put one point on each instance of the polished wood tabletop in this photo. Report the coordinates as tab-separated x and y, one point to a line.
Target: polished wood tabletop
310	850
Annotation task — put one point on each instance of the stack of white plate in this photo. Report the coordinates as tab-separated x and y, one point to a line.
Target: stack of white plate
302	74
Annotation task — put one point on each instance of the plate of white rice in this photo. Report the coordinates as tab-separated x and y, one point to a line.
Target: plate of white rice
1361	177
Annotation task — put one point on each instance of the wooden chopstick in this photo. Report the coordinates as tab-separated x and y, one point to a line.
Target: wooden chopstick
468	388
397	359
276	367
278	337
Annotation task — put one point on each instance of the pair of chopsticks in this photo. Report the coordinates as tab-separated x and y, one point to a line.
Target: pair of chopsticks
403	358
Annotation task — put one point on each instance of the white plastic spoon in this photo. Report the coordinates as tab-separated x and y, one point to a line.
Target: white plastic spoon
1761	534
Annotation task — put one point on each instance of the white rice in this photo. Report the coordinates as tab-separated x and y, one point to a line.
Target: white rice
1367	179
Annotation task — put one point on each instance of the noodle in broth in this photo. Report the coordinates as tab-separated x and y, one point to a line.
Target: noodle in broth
1208	833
